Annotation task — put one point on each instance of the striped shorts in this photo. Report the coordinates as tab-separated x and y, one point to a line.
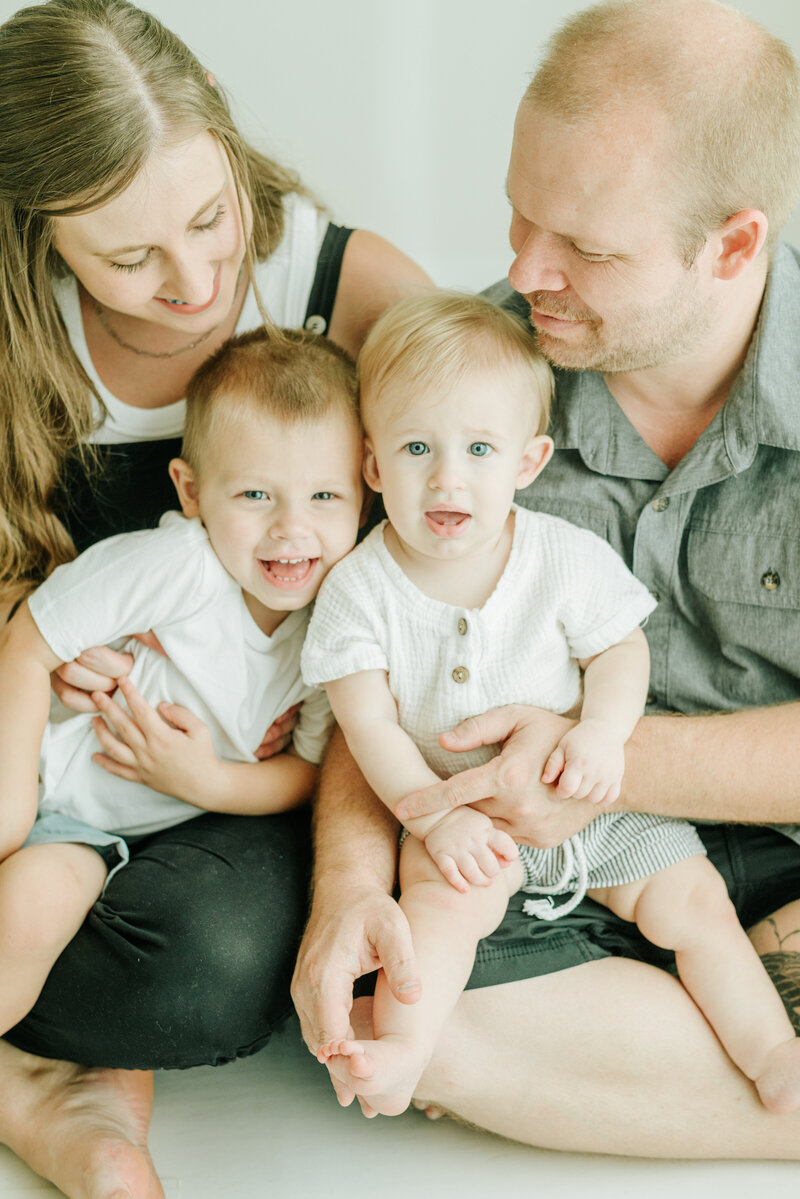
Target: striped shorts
617	848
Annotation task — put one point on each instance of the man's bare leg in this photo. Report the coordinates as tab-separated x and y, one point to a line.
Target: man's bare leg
609	1057
84	1130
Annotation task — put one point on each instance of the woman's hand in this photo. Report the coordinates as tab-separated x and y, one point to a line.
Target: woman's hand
97	669
509	788
170	749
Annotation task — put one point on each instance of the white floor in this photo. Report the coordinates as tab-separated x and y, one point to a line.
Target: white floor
269	1126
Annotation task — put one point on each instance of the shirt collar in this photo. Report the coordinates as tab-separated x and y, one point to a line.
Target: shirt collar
774	358
762	408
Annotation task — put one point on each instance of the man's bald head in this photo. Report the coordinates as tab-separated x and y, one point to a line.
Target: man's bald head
723	92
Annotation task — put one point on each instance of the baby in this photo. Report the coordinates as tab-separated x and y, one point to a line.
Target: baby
271	492
462	602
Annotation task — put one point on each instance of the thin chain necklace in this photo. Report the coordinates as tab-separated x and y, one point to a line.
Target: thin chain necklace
146	353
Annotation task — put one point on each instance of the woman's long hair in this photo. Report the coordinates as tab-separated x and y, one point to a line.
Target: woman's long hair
89	89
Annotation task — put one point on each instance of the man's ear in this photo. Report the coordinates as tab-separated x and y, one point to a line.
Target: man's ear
538	453
370	467
182	476
738	242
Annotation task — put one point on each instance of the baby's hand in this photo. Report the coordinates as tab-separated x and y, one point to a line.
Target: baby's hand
588	763
170	750
468	849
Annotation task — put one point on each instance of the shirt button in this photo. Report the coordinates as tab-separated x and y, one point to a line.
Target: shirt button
771	580
655	594
462	626
661	504
316	324
460	674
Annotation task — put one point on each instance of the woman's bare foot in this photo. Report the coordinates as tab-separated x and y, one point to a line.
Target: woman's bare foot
779	1084
84	1130
382	1073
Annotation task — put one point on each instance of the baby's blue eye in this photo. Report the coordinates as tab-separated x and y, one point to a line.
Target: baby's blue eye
480	449
323	495
416	448
255	495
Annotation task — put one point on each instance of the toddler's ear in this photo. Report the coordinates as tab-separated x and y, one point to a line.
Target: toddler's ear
538	453
370	467
182	476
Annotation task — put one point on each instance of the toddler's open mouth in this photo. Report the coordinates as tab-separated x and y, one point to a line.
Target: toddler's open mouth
447	522
288	573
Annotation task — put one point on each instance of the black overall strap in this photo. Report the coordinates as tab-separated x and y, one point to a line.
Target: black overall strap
326	279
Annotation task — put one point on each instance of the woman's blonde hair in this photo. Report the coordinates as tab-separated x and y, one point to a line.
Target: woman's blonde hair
435	339
89	89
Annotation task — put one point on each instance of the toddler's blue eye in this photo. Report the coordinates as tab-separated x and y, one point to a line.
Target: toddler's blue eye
255	495
480	449
323	495
416	448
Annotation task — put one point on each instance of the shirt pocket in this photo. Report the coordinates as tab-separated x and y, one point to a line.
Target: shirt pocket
747	591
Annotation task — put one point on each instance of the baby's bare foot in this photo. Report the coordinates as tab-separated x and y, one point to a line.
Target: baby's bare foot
432	1110
84	1130
382	1073
779	1083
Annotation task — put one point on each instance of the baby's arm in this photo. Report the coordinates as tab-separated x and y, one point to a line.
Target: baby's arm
589	760
171	750
464	844
26	661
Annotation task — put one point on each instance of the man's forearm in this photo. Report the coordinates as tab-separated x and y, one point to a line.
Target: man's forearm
355	836
739	766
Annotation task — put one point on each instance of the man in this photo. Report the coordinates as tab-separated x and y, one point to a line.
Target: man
656	156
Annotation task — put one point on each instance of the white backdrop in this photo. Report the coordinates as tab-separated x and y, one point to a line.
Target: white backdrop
398	114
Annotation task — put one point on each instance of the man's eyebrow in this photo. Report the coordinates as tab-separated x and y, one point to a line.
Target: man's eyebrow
146	245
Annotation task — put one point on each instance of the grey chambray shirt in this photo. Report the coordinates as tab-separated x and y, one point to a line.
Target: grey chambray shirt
717	539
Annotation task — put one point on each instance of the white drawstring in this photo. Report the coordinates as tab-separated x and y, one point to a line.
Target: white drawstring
574	856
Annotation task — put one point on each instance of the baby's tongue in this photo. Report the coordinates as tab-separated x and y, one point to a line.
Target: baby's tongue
287	570
446	518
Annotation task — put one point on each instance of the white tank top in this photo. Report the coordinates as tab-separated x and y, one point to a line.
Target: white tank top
284	281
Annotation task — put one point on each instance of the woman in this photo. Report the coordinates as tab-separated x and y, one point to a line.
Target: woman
137	232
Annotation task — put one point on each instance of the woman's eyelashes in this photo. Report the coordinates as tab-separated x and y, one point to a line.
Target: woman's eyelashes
137	266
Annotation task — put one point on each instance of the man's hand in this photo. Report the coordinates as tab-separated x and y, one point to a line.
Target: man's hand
509	788
468	849
170	750
342	942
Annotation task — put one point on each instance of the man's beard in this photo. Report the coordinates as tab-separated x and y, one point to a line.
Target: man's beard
639	338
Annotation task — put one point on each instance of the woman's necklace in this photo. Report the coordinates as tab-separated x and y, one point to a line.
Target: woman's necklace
146	353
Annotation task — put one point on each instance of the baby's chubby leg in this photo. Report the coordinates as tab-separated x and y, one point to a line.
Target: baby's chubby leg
45	893
686	908
446	926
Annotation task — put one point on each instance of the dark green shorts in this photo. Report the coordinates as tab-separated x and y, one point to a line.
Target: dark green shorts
762	872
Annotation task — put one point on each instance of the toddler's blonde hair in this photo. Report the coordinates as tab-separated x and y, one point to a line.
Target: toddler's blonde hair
435	339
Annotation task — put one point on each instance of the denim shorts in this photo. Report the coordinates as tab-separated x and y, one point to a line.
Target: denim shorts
53	827
761	869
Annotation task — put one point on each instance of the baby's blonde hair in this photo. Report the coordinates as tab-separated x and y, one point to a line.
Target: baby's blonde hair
435	339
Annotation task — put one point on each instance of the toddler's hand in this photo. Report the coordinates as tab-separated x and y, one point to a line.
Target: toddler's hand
170	749
588	763
468	849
